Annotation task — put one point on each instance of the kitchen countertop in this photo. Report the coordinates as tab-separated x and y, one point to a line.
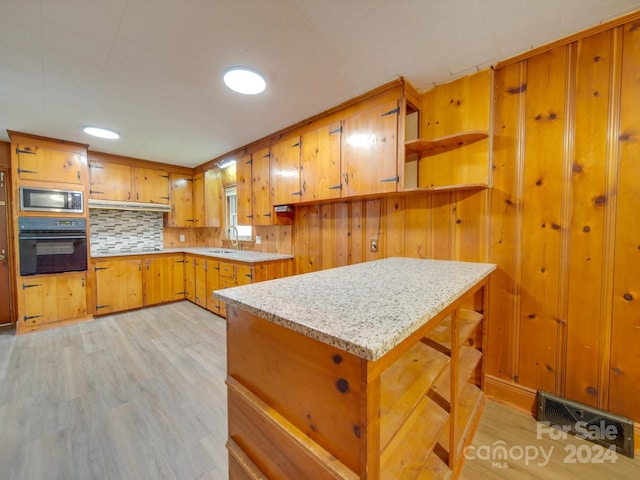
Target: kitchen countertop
365	309
247	256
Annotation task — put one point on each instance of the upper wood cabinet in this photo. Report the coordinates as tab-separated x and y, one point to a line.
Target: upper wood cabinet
370	151
260	187
197	188
285	171
119	182
151	186
213	194
243	190
320	163
110	181
51	164
181	214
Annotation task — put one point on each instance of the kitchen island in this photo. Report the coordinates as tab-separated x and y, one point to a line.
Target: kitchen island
368	371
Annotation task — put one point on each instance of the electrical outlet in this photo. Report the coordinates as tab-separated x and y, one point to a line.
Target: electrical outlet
258	239
182	238
374	244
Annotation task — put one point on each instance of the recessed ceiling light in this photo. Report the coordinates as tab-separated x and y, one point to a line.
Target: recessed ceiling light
244	80
102	133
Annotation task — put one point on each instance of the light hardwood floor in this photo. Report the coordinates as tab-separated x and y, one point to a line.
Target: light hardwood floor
141	395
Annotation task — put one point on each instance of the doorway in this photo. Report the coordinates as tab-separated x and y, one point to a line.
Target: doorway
5	291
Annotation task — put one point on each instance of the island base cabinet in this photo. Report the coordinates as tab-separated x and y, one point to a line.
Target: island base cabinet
301	408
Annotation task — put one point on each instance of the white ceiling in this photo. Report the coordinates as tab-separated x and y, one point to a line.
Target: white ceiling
152	69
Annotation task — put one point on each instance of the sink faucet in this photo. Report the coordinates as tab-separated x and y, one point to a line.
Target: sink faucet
236	243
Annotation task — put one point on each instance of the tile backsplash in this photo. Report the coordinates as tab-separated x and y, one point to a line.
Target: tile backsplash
124	231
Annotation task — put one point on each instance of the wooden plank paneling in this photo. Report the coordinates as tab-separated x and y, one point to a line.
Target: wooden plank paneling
625	356
541	223
417	220
509	95
588	186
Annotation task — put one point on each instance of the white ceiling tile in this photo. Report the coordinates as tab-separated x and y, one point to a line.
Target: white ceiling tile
74	44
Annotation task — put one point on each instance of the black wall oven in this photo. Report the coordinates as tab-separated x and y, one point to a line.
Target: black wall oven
52	245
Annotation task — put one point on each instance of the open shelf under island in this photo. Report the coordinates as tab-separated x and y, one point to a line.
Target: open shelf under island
367	371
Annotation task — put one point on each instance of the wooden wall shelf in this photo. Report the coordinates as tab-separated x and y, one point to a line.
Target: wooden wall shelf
435	146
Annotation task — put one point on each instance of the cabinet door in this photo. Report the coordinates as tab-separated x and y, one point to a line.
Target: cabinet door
244	274
260	190
151	186
54	298
213	304
51	165
181	214
200	280
189	278
285	171
243	185
320	159
198	200
118	285
110	181
164	279
213	198
370	150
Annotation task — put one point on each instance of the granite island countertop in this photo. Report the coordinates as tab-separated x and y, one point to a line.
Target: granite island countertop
247	256
365	309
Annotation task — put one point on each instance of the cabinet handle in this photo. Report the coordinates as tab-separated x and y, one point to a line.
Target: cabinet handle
28	152
129	196
91	192
390	179
137	196
78	174
345	175
304	186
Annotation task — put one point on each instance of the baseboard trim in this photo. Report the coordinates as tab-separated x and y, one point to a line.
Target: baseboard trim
510	394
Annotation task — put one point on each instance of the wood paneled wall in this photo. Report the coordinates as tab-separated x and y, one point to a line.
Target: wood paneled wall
447	226
565	229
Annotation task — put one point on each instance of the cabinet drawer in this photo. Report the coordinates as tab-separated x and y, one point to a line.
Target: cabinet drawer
227	270
226	283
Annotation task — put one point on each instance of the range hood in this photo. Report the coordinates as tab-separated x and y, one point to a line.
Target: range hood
116	205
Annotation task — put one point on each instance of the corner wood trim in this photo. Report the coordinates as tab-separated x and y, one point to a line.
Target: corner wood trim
510	394
636	438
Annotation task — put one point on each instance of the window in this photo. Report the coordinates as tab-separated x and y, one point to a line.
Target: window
231	208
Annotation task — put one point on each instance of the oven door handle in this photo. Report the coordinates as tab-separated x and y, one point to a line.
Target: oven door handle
53	237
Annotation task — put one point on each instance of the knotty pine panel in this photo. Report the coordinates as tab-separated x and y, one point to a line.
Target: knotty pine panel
542	219
506	202
625	357
418	225
587	228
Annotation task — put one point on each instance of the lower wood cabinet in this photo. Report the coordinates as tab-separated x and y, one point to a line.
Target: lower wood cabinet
118	285
49	299
164	279
212	269
195	280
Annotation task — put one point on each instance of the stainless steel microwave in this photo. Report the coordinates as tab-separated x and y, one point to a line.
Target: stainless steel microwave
50	200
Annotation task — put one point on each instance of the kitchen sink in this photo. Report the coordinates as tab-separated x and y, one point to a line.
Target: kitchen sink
219	251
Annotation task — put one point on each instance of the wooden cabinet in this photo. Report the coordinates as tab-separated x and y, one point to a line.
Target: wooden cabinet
213	194
260	187
285	171
197	187
151	186
370	151
51	165
212	269
243	190
53	299
181	214
321	161
110	181
164	279
118	285
195	280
